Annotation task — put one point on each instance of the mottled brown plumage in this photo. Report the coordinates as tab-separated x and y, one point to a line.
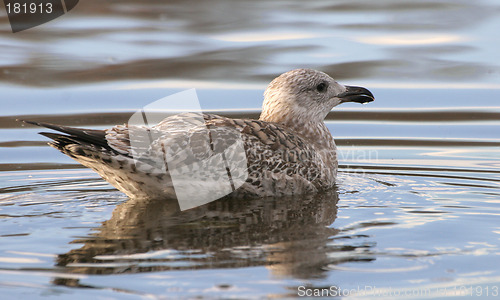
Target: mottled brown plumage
289	150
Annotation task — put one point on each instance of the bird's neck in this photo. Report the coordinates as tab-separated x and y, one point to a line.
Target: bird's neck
314	132
307	124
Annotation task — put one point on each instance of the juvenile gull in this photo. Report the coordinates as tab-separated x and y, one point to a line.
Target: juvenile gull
289	150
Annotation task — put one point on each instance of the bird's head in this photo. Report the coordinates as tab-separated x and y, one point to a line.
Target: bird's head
307	95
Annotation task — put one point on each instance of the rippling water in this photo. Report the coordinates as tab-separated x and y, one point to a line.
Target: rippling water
417	207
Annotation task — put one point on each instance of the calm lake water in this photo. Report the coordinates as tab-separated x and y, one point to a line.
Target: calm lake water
417	210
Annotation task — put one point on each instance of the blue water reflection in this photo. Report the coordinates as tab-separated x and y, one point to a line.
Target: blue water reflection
417	202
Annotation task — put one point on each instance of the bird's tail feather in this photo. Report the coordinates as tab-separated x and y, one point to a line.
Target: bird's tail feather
75	135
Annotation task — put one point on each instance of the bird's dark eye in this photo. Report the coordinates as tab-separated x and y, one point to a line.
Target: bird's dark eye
322	87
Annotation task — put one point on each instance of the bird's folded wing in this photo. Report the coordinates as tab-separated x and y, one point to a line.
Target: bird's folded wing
183	140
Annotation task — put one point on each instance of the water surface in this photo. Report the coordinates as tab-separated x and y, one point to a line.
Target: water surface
417	205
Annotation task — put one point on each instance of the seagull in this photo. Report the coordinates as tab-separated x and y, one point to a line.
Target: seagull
287	151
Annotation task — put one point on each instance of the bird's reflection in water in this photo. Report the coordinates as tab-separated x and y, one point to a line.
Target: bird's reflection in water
289	235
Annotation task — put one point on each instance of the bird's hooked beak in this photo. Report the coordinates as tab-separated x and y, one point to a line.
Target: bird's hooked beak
356	94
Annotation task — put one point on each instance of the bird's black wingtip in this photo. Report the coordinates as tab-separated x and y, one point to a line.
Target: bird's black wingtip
52	135
55	127
74	135
29	122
